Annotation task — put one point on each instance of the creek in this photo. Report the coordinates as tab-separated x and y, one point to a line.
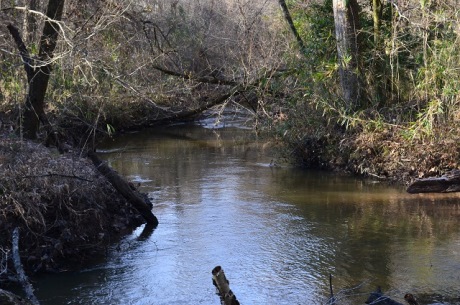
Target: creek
277	231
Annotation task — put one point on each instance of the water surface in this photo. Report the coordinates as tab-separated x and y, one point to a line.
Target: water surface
278	232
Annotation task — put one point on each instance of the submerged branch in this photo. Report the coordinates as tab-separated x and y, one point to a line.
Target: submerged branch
23	279
9	298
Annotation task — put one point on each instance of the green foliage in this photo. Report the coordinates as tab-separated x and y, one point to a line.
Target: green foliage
411	80
315	25
318	68
12	82
424	126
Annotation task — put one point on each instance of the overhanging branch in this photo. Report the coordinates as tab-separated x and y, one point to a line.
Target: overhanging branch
205	79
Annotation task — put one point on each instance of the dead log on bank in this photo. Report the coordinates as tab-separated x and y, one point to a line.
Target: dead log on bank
123	187
22	277
449	182
223	288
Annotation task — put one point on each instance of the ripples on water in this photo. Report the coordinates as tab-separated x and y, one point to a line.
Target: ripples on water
277	232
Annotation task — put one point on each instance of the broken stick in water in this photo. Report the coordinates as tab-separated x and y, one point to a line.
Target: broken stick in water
222	285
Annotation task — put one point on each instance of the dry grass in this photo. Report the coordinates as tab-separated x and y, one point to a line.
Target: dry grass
66	210
390	156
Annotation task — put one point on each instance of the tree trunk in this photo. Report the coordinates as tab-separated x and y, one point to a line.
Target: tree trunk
294	31
377	16
378	67
35	102
346	29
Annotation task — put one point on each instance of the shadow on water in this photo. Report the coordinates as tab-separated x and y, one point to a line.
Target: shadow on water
278	232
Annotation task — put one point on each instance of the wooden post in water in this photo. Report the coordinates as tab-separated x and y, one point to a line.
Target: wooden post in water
222	285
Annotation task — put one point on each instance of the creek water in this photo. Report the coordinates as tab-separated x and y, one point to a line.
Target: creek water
278	232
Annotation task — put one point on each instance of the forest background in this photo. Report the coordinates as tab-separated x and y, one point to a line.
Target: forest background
367	87
380	100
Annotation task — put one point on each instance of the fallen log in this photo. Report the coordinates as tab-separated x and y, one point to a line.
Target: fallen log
123	187
449	182
223	288
22	277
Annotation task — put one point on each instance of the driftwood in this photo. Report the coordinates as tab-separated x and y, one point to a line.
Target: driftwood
450	182
22	277
223	288
123	187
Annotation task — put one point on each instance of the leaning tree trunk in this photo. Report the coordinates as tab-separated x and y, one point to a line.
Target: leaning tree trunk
40	74
346	29
289	20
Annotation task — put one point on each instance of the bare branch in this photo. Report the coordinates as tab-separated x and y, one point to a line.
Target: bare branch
205	79
60	24
57	175
4	261
27	60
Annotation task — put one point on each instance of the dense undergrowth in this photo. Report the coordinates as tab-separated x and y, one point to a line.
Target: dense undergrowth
131	65
121	65
407	124
67	213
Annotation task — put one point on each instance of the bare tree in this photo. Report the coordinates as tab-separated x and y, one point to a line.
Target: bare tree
39	70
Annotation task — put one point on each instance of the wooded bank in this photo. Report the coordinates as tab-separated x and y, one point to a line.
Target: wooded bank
378	97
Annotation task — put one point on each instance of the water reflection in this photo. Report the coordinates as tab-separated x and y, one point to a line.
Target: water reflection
277	232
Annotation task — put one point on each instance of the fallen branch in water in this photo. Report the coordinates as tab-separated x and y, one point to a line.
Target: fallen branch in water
331	300
222	285
25	283
123	187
